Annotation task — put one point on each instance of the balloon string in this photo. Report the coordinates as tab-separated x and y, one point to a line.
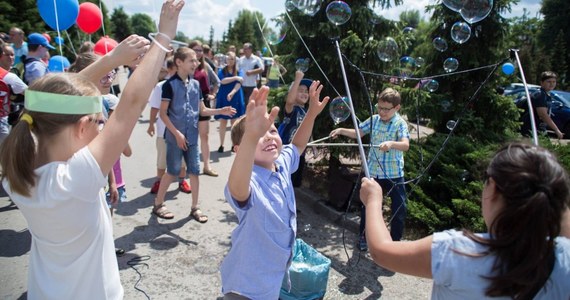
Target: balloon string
102	27
70	42
58	33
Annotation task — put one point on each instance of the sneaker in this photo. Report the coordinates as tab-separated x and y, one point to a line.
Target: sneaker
119	251
155	187
362	245
184	187
221	149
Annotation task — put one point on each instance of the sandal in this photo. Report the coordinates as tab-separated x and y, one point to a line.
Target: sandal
197	214
162	212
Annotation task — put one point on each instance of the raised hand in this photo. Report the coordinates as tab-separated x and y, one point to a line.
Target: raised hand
316	106
258	120
169	17
130	50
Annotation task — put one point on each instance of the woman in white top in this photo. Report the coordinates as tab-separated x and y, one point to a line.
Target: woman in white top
54	164
522	256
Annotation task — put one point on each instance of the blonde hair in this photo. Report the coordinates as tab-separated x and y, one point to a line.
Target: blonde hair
18	153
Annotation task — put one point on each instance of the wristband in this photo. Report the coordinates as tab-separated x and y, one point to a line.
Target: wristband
151	37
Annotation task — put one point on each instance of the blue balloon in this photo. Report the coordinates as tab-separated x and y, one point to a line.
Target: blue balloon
66	11
58	63
508	68
59	40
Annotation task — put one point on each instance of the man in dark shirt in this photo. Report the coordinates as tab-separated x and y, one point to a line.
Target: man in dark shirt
540	101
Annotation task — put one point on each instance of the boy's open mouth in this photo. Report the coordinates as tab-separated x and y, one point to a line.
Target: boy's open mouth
269	148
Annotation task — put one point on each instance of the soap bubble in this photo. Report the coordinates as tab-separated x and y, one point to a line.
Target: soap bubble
308	7
451	124
377	10
420	62
275	29
431	85
445	105
408	30
307	227
451	64
454	5
474	11
440	44
302	64
290	5
339	110
508	68
387	50
460	32
338	12
407	66
221	59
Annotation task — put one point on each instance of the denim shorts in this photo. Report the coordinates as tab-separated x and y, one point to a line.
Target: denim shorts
174	162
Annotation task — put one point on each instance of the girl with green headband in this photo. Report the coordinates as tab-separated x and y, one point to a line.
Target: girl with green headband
54	165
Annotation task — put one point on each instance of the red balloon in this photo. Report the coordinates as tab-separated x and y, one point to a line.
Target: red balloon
47	37
104	45
90	18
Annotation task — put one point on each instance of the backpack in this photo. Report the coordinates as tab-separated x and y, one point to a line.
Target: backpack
26	61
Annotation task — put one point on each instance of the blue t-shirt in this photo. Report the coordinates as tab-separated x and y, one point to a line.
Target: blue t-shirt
291	123
457	276
184	107
262	242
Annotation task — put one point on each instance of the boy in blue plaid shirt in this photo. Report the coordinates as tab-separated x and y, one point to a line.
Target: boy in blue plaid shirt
390	137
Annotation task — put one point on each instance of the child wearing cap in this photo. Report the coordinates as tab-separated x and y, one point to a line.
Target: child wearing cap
34	67
293	115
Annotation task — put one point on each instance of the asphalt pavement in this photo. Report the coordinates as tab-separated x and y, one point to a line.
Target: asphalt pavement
180	258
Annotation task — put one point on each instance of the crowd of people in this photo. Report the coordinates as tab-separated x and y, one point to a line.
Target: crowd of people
64	147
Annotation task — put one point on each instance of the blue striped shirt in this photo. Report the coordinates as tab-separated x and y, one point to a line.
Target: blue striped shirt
392	161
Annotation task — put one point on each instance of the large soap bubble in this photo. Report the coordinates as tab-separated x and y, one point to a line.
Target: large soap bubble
445	105
221	60
339	109
290	5
308	7
460	32
408	30
407	66
275	29
454	5
451	64
388	50
302	64
420	62
338	12
474	11
451	124
440	44
431	85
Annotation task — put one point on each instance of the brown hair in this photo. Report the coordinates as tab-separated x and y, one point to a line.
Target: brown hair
86	47
535	190
547	75
238	129
18	153
193	44
82	61
391	96
182	53
227	70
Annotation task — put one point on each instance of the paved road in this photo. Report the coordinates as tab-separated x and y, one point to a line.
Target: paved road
183	256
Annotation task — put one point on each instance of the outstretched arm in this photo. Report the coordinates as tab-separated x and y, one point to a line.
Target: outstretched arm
292	94
305	130
412	258
258	121
108	145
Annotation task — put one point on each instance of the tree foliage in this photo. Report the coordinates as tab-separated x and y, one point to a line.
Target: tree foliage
121	24
142	24
245	29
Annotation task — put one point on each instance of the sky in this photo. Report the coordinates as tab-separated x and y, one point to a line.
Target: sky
198	15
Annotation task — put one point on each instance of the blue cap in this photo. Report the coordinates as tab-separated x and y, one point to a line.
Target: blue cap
306	82
38	39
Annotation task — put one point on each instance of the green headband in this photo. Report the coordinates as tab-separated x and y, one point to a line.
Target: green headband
62	104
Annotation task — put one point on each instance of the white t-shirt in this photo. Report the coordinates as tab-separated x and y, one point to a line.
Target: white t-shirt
72	254
457	276
246	64
154	101
18	86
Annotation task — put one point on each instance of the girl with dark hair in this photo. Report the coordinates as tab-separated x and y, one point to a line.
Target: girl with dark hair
522	255
54	165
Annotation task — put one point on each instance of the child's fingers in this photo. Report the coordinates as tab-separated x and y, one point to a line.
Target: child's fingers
273	114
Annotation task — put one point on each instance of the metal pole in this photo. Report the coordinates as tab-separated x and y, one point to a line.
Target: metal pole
529	101
352	114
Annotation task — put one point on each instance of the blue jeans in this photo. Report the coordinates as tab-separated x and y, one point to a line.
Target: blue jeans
174	157
399	210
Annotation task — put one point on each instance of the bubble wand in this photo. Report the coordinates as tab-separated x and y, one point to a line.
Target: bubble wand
352	114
